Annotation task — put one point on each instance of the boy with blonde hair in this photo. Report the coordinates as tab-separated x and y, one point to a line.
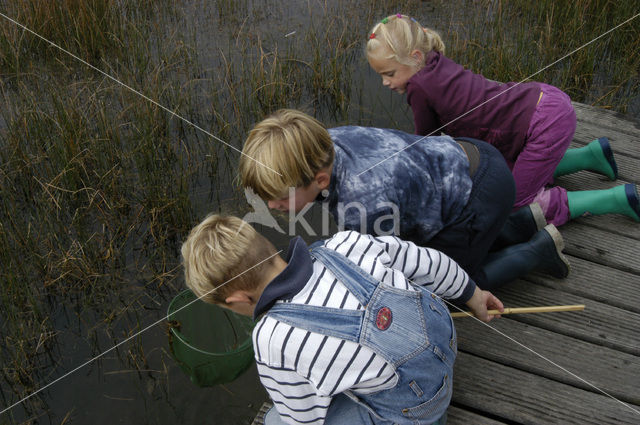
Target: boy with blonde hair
450	195
351	331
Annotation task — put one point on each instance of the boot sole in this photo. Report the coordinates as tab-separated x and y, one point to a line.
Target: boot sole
538	215
632	199
608	154
558	241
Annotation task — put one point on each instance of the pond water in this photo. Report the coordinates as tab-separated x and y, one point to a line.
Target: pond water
220	65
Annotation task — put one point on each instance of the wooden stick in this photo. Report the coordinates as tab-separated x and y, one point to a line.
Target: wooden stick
516	310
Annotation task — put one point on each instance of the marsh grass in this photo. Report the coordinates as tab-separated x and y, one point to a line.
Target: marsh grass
90	29
509	41
84	213
98	186
335	52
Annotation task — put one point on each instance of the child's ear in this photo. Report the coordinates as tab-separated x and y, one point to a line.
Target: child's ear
323	178
418	57
238	297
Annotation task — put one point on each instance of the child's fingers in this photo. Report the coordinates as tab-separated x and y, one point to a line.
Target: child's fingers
494	303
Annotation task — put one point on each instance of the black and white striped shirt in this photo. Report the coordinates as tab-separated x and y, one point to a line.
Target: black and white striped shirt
302	370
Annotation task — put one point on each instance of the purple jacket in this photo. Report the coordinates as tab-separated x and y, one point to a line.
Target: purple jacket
444	91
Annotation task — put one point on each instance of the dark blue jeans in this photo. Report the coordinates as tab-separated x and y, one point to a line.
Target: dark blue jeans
468	239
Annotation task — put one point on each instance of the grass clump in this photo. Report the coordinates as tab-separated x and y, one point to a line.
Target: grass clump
511	41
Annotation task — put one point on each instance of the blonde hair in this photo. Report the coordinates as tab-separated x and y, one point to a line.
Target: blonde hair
294	147
396	36
224	250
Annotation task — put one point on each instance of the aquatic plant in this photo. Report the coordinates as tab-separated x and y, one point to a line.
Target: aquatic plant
510	41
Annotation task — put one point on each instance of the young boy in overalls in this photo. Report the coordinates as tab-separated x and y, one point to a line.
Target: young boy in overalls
351	331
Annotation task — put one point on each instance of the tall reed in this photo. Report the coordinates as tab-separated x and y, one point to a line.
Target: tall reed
511	41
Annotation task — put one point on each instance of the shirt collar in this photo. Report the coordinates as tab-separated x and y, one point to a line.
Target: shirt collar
291	280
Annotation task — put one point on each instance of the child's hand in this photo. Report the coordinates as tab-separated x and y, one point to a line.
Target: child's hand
481	301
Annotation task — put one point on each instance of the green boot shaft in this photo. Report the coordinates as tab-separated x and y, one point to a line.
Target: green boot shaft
617	200
597	156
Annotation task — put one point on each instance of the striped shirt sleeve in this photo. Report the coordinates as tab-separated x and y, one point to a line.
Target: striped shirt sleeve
427	267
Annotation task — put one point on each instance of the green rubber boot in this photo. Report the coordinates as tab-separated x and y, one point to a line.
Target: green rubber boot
617	200
597	156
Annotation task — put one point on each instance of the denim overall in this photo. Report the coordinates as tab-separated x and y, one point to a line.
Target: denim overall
411	330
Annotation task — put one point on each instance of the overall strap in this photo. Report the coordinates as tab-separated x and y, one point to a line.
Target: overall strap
361	284
337	322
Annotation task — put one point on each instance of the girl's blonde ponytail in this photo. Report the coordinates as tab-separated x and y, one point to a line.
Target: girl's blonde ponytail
433	41
396	36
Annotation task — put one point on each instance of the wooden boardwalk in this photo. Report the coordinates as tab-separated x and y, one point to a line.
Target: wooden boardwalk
570	367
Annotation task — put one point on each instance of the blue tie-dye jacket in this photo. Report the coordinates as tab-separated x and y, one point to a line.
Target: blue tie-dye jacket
390	182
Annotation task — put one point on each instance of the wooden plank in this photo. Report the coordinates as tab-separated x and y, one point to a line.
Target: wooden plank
606	117
599	323
259	419
612	223
602	247
611	371
605	120
624	144
521	397
604	284
459	416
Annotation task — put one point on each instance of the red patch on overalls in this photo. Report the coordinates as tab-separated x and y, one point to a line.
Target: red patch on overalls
383	318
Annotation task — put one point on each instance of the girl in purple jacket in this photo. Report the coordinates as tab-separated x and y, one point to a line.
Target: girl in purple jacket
531	123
